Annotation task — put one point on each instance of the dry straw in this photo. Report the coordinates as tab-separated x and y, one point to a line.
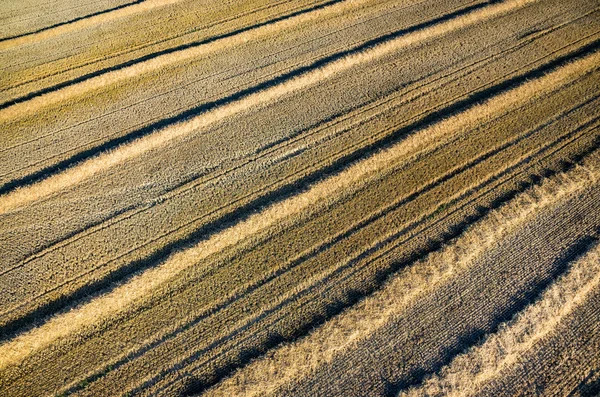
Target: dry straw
87	22
300	359
467	373
160	62
123	297
105	161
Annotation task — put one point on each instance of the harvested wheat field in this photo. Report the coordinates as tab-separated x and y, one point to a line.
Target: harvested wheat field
300	198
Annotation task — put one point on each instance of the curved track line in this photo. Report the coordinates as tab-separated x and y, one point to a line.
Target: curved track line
254	100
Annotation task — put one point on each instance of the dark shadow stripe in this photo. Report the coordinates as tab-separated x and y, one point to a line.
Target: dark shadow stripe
153	55
193	386
260	156
205	107
281	193
559	267
453	229
589	387
71	21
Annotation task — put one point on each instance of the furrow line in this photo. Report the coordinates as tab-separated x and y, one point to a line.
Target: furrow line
467	372
530	87
16	40
246	101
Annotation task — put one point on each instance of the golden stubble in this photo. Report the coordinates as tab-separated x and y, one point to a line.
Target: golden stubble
95	20
124	296
160	62
468	372
297	360
104	161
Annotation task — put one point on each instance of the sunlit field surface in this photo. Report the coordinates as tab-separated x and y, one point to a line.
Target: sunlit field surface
300	198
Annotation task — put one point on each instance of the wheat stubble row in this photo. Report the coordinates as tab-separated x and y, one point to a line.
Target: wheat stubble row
30	274
419	89
343	333
17	281
313	172
252	93
179	206
368	198
562	319
24	17
449	319
304	308
73	56
217	72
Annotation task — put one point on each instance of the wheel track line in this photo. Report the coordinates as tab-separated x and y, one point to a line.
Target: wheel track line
237	295
154	342
211	99
345	331
179	47
402	94
86	22
252	101
409	196
160	123
94	378
520	44
30	105
17	39
500	350
543	150
550	149
362	256
420	85
141	285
